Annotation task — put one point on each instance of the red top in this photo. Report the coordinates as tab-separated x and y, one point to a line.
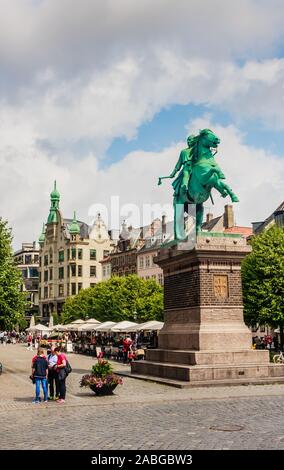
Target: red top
61	358
126	344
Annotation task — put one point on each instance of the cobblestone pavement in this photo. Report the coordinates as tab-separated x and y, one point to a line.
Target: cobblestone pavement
141	415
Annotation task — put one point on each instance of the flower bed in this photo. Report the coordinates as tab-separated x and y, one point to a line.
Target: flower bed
102	380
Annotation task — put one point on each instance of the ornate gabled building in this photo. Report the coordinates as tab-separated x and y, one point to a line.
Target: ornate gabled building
70	255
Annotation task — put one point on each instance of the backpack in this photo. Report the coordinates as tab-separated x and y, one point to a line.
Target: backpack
68	368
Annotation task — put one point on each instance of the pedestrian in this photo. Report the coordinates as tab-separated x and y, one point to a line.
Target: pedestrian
52	375
60	367
127	342
40	373
30	343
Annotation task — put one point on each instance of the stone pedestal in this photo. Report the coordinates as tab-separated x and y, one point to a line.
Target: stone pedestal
204	340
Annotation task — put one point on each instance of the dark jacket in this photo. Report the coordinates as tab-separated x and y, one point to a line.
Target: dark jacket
40	367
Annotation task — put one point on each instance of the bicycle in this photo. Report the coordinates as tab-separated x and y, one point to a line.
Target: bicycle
278	358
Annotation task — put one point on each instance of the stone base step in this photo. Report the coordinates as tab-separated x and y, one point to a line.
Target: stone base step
204	383
200	373
190	357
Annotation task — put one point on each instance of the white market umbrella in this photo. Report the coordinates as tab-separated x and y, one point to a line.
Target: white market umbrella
105	326
77	322
32	322
59	328
122	325
92	320
88	327
151	325
39	327
50	324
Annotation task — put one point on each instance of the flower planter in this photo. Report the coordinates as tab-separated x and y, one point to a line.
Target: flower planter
106	389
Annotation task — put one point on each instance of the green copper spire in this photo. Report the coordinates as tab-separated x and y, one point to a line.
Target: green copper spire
54	199
42	235
74	228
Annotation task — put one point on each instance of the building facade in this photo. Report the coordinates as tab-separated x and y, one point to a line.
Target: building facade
70	255
277	217
27	261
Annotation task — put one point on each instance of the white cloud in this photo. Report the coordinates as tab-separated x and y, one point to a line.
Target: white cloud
89	71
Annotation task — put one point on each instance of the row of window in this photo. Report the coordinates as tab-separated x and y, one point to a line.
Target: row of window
26	259
146	261
71	254
71	289
72	270
123	259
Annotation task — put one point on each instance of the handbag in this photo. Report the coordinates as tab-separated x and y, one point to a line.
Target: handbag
62	374
32	379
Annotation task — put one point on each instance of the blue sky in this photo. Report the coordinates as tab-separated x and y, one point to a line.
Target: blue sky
171	125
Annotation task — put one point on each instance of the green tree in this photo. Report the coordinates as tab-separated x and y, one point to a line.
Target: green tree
119	298
263	280
12	300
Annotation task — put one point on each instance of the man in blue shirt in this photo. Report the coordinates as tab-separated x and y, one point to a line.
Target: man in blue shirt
52	375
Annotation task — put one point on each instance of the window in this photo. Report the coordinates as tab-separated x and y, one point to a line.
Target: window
73	288
40	261
24	273
36	257
61	273
92	284
46	292
104	271
93	271
50	256
61	256
73	269
33	272
73	253
68	253
80	286
61	290
80	253
160	279
141	262
50	290
80	270
147	261
45	260
28	259
93	254
39	276
45	276
39	293
50	274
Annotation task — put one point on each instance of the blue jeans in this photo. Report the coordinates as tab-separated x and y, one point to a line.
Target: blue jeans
43	382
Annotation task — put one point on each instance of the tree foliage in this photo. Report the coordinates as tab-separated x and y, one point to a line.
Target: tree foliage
263	279
12	300
119	298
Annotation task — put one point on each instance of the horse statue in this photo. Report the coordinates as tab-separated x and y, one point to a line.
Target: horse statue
198	174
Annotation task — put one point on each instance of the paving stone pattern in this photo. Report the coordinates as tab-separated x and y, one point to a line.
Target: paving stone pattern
141	415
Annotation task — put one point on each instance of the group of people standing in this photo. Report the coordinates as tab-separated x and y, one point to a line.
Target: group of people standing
50	372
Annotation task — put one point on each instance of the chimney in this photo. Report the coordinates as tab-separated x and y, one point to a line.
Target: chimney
209	217
229	216
164	223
